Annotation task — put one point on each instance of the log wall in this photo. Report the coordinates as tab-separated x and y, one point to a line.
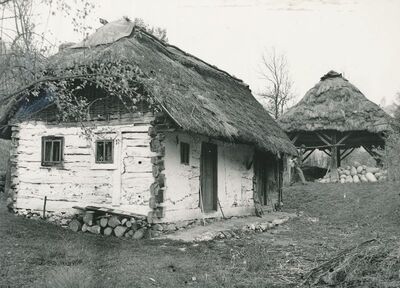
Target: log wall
80	181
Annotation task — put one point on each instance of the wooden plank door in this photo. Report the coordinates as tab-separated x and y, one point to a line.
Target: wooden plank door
260	165
208	176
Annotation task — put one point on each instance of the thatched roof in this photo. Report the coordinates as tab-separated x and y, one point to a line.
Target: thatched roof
335	104
199	97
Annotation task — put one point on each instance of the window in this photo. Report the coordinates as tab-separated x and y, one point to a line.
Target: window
104	151
185	153
52	150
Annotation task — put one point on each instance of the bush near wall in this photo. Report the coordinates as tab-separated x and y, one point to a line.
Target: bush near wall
4	154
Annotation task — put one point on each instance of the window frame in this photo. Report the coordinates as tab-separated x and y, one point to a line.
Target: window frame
52	139
104	141
185	153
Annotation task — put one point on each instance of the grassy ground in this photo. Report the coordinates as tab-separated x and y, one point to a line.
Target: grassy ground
334	217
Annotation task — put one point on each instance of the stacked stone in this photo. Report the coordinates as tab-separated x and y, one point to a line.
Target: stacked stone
358	173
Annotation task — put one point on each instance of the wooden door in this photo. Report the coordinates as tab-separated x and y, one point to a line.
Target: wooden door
260	167
208	176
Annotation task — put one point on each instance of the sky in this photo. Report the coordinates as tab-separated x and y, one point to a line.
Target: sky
359	38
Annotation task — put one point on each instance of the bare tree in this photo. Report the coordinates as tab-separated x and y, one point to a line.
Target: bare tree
278	92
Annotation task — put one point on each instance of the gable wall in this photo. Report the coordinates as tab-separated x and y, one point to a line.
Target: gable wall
80	181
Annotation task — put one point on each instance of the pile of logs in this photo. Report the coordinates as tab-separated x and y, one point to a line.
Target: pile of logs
357	174
116	225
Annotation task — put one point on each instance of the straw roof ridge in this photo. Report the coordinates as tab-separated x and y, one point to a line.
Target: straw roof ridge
199	97
335	104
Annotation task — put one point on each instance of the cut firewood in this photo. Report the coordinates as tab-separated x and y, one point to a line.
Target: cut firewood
94	229
84	227
139	234
114	222
123	221
103	222
119	231
88	218
108	231
75	225
128	224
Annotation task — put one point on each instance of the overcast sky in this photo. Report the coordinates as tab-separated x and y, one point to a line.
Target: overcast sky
359	38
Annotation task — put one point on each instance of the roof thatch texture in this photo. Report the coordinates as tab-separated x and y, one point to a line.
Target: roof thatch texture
335	104
199	97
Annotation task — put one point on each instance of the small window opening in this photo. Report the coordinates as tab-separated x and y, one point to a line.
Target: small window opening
104	151
185	152
52	150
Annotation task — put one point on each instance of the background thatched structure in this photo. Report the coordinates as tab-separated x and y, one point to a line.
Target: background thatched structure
199	97
336	117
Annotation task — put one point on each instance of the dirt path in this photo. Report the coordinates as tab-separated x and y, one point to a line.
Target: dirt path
214	230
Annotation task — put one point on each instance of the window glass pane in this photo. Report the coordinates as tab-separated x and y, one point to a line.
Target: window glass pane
100	151
47	150
56	151
108	151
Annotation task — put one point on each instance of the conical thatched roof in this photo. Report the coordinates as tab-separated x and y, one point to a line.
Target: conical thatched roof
335	104
199	97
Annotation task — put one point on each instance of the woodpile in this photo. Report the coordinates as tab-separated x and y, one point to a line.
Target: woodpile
357	173
117	225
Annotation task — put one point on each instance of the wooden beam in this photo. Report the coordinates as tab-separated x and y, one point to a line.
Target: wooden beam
294	139
334	161
308	155
323	139
326	152
344	138
320	146
346	153
370	152
338	157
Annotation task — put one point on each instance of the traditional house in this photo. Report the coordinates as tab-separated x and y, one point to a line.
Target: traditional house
335	117
209	149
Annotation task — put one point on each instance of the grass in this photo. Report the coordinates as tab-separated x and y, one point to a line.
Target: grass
334	217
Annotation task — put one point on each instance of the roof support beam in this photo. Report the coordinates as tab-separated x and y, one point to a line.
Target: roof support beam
323	139
307	154
334	160
344	138
294	139
326	152
346	153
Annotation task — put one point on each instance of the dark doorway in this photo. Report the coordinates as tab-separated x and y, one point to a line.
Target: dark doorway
265	166
208	176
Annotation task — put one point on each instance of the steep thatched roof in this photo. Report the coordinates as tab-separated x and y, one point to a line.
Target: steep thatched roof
199	97
335	104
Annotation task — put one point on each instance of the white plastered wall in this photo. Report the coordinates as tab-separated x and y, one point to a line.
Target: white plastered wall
235	178
80	181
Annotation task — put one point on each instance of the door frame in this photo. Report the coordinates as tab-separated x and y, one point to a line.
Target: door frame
214	177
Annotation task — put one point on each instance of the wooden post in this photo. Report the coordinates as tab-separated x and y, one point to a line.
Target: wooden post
338	157
44	207
334	161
